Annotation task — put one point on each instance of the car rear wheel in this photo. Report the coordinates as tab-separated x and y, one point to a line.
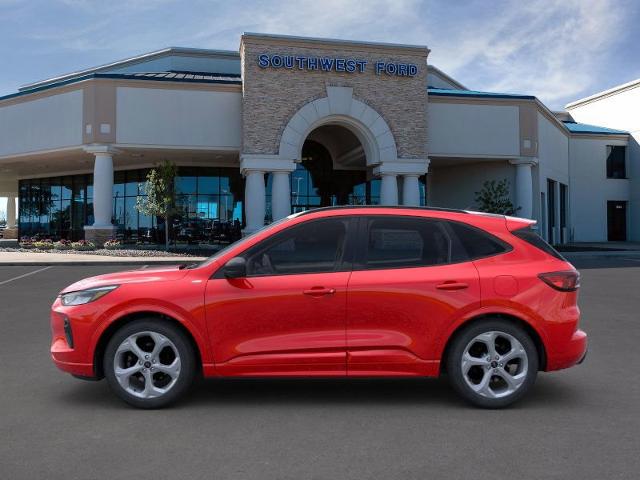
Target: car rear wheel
492	363
149	363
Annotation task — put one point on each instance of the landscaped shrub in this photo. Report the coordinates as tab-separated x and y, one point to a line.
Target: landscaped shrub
83	245
112	244
26	242
62	245
43	244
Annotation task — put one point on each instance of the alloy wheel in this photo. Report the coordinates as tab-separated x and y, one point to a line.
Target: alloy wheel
147	364
494	364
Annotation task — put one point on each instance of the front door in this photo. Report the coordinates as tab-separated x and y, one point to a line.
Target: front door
617	221
404	291
287	317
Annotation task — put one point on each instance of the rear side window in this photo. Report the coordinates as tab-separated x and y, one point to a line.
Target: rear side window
530	236
473	243
397	242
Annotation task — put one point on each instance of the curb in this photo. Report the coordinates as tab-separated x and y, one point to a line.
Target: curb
89	263
613	254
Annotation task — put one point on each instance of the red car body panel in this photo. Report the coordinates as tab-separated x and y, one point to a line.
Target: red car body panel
294	332
395	316
391	322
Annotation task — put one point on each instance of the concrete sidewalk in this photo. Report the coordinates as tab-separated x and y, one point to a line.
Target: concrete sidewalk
36	259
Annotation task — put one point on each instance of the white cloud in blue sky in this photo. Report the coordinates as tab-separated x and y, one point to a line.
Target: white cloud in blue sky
558	50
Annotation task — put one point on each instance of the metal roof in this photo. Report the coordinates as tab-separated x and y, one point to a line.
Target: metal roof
446	92
131	61
176	75
186	77
575	127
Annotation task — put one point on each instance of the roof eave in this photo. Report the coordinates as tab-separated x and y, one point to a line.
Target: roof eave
603	94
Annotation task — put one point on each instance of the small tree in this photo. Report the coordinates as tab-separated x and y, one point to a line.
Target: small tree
160	193
494	198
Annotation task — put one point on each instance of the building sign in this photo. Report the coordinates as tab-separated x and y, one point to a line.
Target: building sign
336	64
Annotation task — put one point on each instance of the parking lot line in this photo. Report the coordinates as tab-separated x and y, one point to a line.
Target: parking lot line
25	275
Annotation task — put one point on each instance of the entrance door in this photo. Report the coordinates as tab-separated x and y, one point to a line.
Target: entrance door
617	221
287	316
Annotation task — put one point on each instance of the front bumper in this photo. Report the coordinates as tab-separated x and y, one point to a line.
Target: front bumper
64	355
571	353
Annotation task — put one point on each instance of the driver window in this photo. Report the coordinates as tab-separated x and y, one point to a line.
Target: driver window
316	246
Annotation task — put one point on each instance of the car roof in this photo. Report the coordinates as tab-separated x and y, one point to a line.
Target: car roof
465	216
385	207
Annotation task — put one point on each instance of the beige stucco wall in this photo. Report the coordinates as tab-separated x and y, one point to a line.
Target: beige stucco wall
272	96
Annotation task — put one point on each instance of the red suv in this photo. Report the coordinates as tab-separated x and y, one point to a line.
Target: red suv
334	292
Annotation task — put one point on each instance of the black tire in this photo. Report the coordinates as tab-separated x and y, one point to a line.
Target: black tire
185	351
457	350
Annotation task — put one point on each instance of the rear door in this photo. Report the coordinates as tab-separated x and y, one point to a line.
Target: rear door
407	286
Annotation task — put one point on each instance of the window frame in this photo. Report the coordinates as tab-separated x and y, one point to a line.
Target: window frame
359	261
608	164
343	265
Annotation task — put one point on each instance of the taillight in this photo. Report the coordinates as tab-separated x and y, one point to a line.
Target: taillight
568	281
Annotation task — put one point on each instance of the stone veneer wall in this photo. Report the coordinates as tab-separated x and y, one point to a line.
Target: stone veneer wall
271	96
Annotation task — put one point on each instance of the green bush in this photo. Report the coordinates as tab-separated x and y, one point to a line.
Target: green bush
83	245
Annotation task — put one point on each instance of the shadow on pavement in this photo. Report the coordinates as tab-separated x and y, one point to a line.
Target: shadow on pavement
422	392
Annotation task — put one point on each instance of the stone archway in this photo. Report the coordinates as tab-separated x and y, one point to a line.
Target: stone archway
340	108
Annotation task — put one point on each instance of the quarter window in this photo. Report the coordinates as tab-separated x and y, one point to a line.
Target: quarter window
397	242
312	247
471	243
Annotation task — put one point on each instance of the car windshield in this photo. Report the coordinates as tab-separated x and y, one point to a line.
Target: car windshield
240	242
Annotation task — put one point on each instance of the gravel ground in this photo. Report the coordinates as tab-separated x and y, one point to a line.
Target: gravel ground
120	252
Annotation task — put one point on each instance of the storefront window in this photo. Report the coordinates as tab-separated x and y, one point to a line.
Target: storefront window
338	188
208	200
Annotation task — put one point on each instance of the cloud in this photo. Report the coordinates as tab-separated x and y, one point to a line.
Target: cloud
553	49
558	50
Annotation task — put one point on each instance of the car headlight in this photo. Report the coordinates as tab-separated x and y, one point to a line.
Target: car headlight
85	296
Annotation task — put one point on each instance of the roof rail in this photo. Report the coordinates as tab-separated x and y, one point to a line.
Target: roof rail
399	207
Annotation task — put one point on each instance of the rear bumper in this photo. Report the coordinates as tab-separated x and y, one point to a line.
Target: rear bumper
571	353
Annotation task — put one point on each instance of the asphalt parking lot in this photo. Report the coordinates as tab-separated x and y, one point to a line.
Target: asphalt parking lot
583	423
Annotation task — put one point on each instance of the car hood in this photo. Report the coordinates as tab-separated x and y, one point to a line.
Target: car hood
160	274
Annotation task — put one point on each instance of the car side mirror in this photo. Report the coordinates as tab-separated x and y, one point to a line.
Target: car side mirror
235	268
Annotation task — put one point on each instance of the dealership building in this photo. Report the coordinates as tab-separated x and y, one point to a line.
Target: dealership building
290	123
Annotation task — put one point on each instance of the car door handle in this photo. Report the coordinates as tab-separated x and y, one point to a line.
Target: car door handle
319	291
452	285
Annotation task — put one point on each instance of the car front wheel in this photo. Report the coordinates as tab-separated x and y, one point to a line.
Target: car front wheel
492	363
149	363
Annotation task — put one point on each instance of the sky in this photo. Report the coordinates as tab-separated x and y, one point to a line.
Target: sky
558	50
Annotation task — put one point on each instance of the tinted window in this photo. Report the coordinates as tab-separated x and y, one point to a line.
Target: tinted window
395	242
312	247
616	162
530	236
473	243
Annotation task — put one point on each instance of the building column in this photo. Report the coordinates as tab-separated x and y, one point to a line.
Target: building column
280	195
254	200
253	167
524	186
102	228
411	190
410	170
11	232
11	212
389	189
